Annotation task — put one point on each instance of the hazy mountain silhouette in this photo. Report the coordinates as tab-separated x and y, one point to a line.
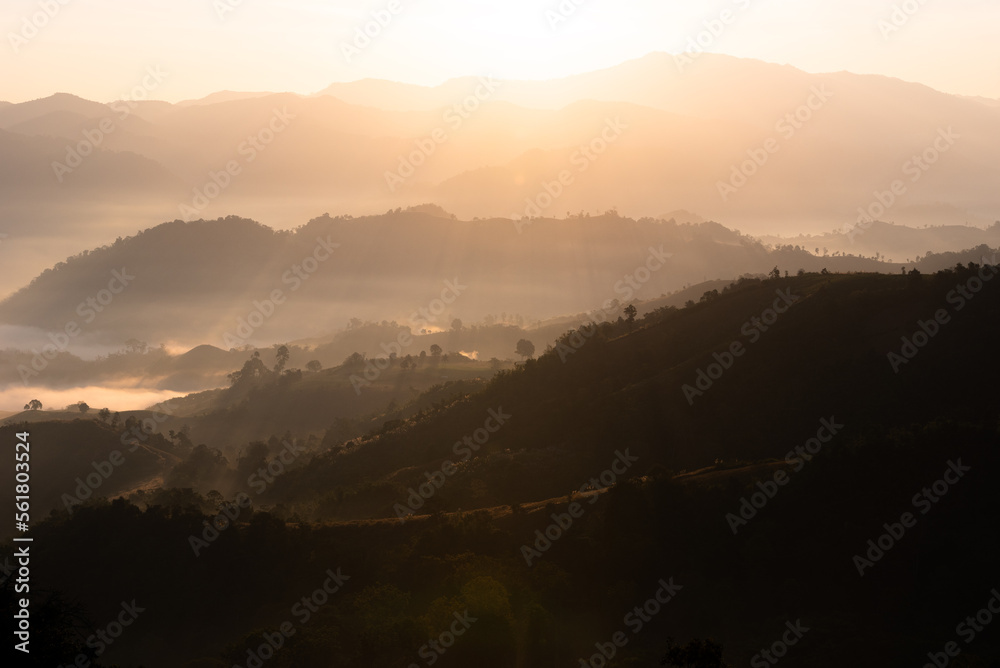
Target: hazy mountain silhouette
195	283
65	103
682	134
221	96
898	242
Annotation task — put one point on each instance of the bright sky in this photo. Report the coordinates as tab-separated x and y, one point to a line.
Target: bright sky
100	49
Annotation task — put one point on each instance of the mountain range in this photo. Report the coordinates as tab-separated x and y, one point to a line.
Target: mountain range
233	281
677	137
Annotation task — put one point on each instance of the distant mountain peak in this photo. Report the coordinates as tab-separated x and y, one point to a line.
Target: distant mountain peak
222	96
431	209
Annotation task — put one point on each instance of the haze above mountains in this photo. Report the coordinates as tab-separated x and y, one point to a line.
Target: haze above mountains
678	133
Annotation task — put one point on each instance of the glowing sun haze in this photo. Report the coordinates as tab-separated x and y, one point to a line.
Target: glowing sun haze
100	49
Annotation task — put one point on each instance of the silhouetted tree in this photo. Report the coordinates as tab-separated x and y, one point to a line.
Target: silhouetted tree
281	354
253	369
314	366
136	346
104	414
33	405
83	407
525	348
435	349
215	498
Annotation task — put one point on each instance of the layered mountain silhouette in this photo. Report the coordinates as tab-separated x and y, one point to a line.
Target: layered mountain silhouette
499	148
233	281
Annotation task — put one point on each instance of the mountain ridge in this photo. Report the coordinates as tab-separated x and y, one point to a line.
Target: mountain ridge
224	260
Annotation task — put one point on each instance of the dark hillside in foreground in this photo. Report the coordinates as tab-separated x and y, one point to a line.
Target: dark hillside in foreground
826	357
800	557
